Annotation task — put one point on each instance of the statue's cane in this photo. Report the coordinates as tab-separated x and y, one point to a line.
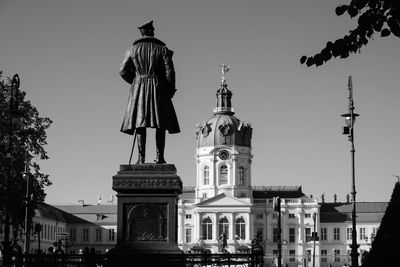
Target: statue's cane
133	146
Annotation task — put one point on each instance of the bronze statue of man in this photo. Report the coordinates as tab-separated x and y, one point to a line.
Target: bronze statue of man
148	67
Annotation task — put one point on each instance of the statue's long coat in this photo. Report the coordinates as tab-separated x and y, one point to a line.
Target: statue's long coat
148	67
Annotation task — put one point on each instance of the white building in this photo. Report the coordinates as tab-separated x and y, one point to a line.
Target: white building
223	201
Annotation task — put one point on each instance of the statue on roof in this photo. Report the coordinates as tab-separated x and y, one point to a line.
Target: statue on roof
149	69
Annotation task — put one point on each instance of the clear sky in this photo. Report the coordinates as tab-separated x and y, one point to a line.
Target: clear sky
68	53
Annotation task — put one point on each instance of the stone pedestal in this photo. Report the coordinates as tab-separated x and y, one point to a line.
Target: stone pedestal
147	208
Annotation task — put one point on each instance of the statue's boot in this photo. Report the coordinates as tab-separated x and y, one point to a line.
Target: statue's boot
141	141
160	143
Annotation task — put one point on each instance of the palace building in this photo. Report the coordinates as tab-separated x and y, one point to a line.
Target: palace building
223	211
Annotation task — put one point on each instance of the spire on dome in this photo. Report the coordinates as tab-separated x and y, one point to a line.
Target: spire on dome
224	96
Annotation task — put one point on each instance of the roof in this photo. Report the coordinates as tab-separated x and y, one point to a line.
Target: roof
98	214
341	212
277	191
53	213
188	192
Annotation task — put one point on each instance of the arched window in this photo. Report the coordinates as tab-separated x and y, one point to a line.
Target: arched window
206	175
223	227
240	228
223	174
207	228
241	175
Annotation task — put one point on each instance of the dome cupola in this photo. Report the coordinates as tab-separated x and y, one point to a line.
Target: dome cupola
223	128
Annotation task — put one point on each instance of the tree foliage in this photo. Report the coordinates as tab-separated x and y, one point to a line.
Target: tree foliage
374	17
28	138
384	249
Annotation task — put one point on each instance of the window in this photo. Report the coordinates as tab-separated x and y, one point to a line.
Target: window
275	252
291	216
337	255
308	253
223	226
275	235
292	235
336	233
348	233
259	216
324	252
204	195
241	228
259	234
241	175
362	233
307	215
188	216
223	174
308	234
292	255
98	234
323	234
111	234
274	215
207	229
85	234
206	175
72	234
188	235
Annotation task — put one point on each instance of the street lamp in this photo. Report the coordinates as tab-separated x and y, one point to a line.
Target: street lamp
27	176
348	130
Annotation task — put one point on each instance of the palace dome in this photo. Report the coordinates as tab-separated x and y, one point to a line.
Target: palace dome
223	128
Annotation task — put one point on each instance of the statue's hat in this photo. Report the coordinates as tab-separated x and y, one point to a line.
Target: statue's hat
147	25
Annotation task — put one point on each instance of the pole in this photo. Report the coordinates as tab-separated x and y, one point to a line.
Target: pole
354	246
27	200
279	233
314	236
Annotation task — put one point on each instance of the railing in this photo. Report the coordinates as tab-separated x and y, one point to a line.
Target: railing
135	259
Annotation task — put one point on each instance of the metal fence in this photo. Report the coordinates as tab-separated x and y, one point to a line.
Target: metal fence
135	259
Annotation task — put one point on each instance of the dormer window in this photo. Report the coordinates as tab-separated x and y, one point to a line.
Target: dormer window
223	175
241	175
206	175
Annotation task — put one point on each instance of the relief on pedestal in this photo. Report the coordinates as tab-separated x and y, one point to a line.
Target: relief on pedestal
147	222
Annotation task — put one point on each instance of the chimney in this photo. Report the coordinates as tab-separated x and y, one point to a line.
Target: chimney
334	198
111	201
81	202
347	198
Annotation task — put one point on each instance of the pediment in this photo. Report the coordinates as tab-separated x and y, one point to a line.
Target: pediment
224	201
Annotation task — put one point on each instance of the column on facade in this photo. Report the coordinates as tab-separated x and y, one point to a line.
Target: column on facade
265	225
231	234
197	226
214	218
250	225
181	226
269	233
300	237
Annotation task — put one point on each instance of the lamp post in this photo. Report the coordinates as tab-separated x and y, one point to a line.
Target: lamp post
348	130
277	208
27	176
13	106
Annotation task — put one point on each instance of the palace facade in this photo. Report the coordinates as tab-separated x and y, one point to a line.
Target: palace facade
223	207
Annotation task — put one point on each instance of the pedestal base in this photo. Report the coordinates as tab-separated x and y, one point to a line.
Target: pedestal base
147	196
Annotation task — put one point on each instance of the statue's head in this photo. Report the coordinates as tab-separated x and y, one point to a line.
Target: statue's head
147	29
